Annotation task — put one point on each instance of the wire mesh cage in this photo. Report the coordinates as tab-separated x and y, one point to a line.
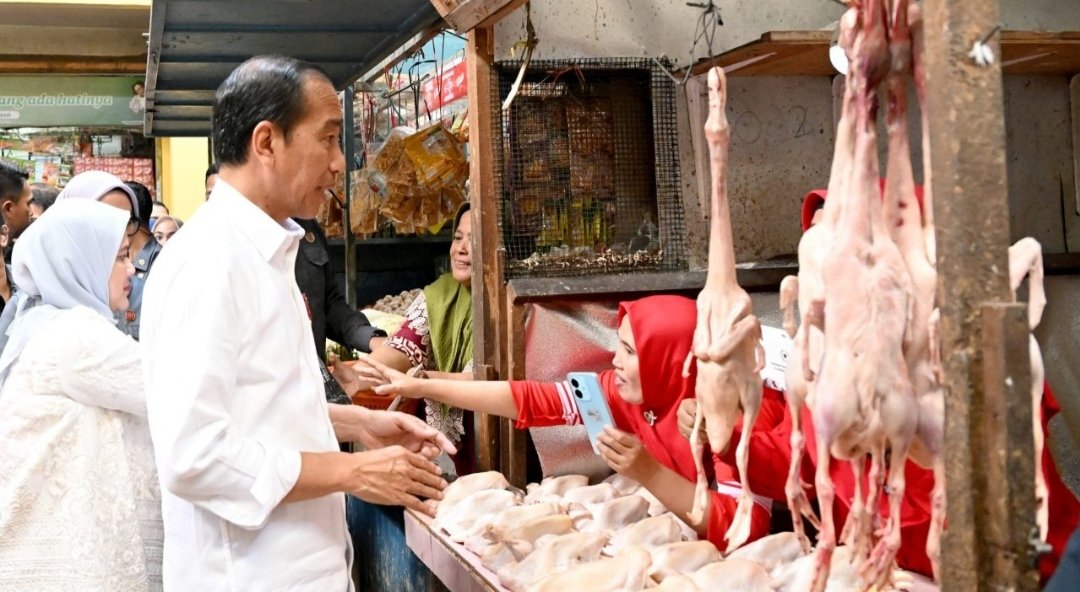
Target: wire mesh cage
588	168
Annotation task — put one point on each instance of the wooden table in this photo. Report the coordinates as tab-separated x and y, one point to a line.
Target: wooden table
458	568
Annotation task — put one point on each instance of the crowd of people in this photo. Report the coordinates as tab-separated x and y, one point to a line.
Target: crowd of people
167	417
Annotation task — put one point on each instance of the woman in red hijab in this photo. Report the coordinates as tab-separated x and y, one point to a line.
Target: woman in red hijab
643	390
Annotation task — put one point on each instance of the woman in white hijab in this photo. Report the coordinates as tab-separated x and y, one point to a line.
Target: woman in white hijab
79	499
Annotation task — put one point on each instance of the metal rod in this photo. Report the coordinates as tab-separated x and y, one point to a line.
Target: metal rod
348	139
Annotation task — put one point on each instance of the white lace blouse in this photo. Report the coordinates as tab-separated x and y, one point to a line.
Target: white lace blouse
80	507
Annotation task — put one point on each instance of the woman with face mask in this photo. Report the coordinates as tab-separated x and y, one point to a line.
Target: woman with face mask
80	507
643	391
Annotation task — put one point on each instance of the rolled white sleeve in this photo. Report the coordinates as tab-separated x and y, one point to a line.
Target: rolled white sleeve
204	454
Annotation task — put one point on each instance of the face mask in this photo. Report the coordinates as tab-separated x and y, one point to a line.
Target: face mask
153	221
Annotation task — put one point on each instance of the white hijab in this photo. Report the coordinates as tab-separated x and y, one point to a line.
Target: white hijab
94	185
63	260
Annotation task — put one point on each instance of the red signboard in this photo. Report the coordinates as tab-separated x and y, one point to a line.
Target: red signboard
128	169
449	86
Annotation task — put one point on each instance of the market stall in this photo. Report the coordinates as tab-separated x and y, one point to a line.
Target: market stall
592	177
525	310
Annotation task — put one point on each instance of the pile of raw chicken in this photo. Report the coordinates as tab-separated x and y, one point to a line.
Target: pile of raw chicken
564	534
866	358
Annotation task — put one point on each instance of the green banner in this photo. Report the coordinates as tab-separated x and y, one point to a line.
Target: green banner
50	101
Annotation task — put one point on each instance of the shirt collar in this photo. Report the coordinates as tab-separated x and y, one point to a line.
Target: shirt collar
146	255
268	236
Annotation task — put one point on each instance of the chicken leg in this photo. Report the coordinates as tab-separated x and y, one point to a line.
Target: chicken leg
1025	260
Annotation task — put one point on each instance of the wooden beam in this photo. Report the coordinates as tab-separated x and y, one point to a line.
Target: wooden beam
478	14
153	61
1074	105
402	53
486	277
517	440
759	277
62	64
806	53
445	7
967	144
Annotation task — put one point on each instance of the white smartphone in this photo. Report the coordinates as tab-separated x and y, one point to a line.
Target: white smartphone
591	403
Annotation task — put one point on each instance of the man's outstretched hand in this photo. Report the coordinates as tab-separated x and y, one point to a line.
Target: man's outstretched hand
391	428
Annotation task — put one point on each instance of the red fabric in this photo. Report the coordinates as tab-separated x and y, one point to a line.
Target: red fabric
816	198
810	204
723	509
914	510
1064	509
663	329
771	415
772	448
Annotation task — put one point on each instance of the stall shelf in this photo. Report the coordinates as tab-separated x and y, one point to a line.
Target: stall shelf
457	568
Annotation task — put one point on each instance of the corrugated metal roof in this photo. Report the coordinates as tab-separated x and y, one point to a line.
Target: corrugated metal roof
194	44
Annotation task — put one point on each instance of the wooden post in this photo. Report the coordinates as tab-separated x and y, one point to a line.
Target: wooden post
1074	105
514	445
967	144
486	277
1009	473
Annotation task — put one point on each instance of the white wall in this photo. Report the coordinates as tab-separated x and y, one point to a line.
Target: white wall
620	28
774	160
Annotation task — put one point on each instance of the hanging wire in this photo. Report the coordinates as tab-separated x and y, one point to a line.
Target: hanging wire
530	45
704	31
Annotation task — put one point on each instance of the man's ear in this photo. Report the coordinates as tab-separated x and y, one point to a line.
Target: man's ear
7	206
263	140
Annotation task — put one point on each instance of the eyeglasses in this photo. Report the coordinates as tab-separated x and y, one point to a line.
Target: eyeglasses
132	226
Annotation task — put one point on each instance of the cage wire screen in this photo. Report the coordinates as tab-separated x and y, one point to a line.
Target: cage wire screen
588	168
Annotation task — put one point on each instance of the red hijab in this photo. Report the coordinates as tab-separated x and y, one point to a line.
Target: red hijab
663	329
816	199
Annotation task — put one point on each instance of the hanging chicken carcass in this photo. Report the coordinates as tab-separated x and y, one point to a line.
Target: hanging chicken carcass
864	401
727	337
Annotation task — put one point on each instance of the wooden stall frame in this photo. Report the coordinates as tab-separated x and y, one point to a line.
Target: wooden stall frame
487	277
466	15
985	546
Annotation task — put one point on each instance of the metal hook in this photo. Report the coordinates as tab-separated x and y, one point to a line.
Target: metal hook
992	32
981	52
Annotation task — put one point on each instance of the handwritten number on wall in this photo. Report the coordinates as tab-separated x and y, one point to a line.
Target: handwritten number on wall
800	115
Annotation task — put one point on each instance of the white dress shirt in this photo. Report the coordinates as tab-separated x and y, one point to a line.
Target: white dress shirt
234	394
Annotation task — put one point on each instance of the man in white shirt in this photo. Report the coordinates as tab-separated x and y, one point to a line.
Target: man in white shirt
245	442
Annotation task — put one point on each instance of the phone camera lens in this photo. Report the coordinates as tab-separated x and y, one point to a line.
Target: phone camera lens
574	382
578	394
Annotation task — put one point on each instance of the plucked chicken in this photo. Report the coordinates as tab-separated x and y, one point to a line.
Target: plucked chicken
556	555
864	400
629	570
727	337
